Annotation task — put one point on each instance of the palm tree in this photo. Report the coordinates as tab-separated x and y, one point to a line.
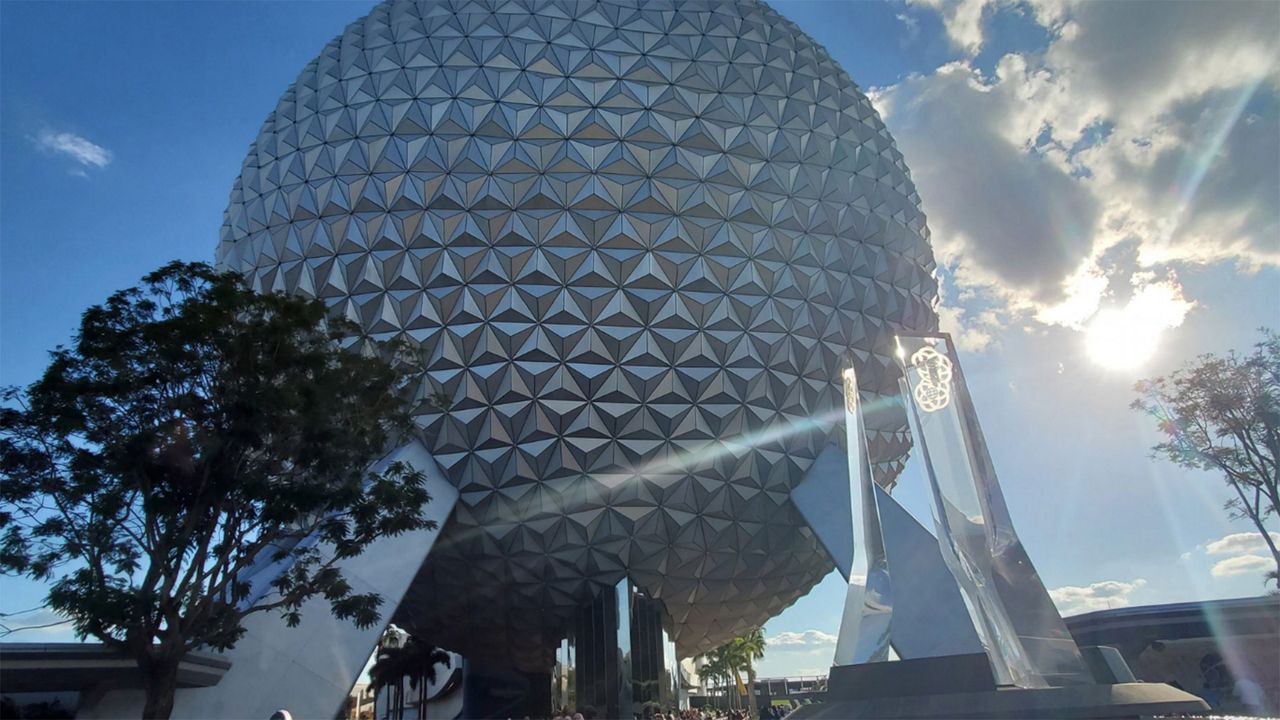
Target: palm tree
424	656
722	664
736	661
416	660
713	668
749	648
388	671
729	660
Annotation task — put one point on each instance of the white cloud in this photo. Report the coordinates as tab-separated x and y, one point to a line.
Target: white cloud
807	638
1240	544
1243	553
27	624
971	333
912	24
1082	292
1070	181
1073	600
70	145
1135	61
962	20
1242	565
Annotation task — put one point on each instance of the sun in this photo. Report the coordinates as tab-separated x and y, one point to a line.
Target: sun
1121	340
1126	337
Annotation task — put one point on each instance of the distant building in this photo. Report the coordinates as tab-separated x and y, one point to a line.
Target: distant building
788	692
1225	651
360	704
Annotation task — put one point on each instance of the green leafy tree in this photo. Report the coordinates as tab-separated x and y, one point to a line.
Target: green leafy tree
194	431
1222	414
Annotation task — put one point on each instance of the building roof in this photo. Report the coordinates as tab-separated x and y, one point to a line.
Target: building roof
1172	621
54	667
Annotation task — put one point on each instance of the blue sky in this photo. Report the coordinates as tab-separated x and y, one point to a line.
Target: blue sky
1089	171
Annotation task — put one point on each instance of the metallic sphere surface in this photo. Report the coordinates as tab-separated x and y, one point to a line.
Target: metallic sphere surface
636	242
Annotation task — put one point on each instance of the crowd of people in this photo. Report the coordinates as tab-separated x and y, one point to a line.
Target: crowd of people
772	712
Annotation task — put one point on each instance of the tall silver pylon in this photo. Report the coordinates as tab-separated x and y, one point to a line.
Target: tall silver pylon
868	608
1025	638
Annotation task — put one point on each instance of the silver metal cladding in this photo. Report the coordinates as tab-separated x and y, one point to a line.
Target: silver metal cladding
636	244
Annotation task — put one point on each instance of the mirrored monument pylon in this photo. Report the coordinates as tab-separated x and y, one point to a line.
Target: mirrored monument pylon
1027	642
999	649
868	609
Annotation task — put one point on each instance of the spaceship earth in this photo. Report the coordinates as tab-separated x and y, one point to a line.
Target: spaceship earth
635	243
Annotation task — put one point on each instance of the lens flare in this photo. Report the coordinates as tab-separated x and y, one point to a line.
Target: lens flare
1126	338
1117	341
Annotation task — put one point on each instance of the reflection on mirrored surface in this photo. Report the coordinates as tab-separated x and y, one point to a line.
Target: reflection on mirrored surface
868	610
618	657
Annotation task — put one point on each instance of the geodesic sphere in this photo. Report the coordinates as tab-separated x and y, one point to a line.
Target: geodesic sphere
636	241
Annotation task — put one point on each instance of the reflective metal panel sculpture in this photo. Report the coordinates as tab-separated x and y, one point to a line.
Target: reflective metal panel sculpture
593	662
634	242
929	614
868	609
1025	638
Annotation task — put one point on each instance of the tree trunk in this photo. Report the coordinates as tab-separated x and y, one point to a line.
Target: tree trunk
753	705
1255	515
1271	544
422	698
738	687
160	678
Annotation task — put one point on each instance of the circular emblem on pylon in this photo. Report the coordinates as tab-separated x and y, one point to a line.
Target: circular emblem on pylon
933	390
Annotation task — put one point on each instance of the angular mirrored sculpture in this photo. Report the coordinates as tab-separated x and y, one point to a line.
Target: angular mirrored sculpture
654	678
617	657
1024	635
593	661
929	618
868	609
929	614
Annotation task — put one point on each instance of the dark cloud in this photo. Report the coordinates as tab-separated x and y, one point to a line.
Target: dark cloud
1134	58
1012	214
